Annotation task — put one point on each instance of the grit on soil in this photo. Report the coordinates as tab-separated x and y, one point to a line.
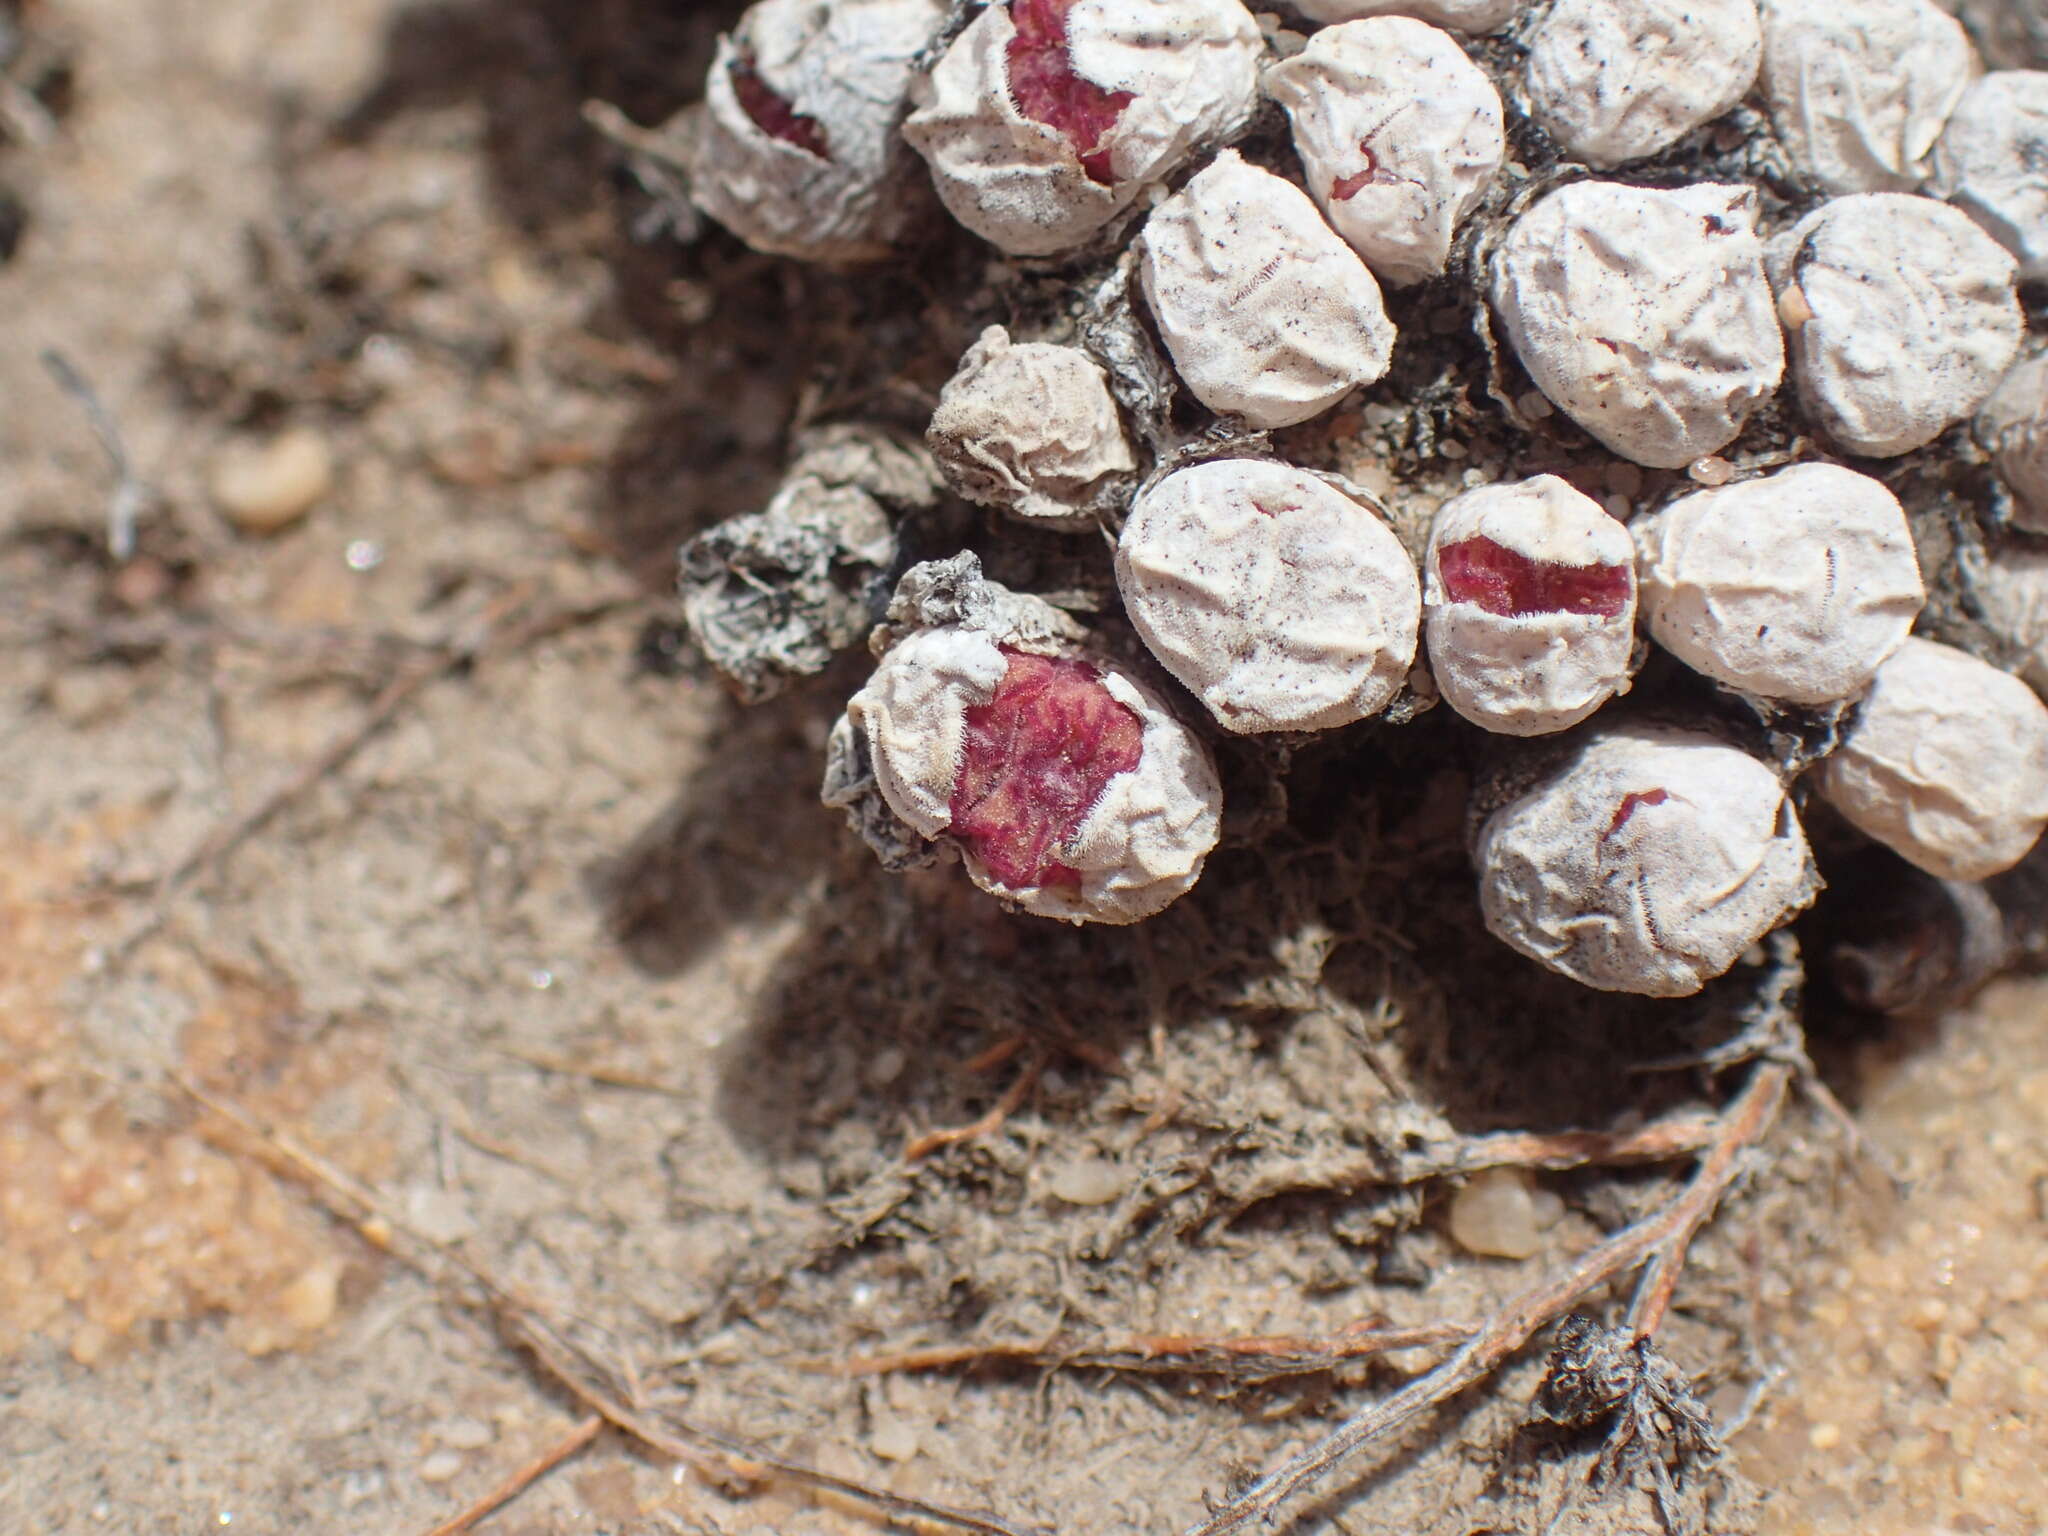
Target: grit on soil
401	845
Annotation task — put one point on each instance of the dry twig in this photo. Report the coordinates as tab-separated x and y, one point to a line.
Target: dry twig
498	634
920	1147
1660	1238
1244	1359
548	1340
585	1431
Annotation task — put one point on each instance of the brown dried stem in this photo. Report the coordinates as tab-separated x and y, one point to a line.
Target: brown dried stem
548	1339
1241	1358
1660	1239
585	1431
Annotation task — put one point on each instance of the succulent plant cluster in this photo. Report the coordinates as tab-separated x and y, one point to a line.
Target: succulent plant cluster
1232	197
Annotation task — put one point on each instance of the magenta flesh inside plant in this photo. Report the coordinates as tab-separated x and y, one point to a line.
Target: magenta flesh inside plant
773	114
1046	89
1503	581
1038	756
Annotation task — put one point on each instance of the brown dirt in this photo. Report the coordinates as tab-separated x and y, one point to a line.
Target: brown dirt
566	965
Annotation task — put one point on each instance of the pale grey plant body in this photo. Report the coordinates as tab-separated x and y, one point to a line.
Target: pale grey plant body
1946	765
1643	315
1141	844
1859	90
1992	162
1190	65
2013	427
1617	80
1903	318
1033	429
1399	133
2010	590
847	67
1529	674
1278	600
1648	863
1267	314
1795	587
1475	16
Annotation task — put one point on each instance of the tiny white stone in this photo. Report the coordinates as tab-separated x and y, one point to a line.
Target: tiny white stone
1189	66
1643	315
1399	133
1031	428
1494	1214
1946	765
1911	318
1649	863
846	69
1859	89
1268	314
266	487
1135	849
1527	673
1279	601
2013	427
1992	162
1796	586
1474	16
1616	80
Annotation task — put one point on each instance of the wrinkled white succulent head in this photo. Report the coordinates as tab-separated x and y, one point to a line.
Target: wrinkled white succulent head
1992	162
1032	428
1475	16
1859	90
1903	318
1643	315
1530	604
1617	80
2013	427
1794	587
797	150
1266	313
1068	786
1946	765
1046	118
1280	602
1649	863
1399	133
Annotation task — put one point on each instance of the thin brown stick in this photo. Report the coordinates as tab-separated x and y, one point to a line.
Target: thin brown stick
920	1147
1243	1358
585	1431
1665	1233
496	636
533	1328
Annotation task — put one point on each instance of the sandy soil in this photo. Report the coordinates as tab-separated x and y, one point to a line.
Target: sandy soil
544	945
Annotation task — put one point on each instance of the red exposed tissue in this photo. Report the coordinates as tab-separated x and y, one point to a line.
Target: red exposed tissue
1628	805
1038	756
1502	581
773	115
1046	89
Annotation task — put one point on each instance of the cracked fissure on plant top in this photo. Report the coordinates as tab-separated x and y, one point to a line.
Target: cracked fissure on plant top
1046	89
1037	757
773	114
1505	581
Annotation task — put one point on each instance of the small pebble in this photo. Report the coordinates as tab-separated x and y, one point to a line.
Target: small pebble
1495	1215
464	1433
893	1440
1712	470
308	1302
1089	1181
265	487
440	1466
